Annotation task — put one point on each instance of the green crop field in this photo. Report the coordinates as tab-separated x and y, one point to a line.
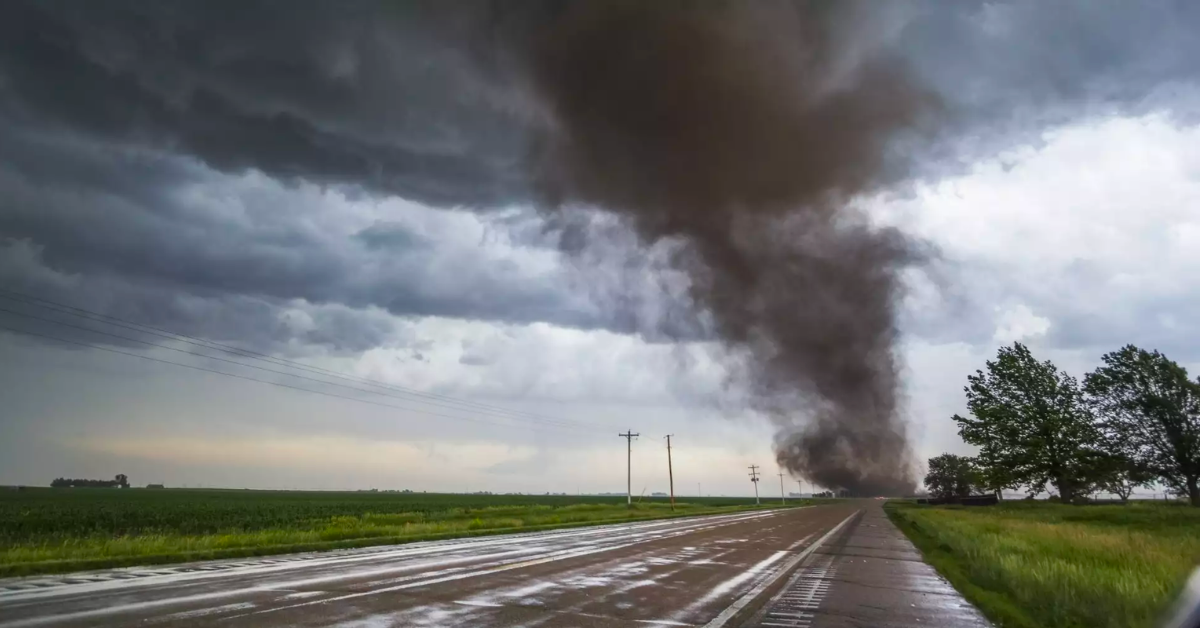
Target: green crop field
1057	566
47	530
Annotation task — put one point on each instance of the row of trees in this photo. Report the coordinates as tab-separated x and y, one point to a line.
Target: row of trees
1133	422
121	481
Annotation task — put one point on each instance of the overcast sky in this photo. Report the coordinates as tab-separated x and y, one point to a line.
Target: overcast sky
342	185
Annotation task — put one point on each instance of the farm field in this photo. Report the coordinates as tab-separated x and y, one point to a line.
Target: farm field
1051	565
45	530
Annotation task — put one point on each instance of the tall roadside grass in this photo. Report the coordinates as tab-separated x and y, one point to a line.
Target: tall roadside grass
87	549
1060	566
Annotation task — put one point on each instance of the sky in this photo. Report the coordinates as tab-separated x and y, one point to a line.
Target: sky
346	186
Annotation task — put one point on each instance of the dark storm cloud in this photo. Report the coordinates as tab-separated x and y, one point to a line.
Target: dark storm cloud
253	322
1041	54
1007	70
115	115
364	92
125	217
415	98
109	112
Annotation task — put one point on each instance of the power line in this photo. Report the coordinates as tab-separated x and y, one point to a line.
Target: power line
247	353
252	379
550	422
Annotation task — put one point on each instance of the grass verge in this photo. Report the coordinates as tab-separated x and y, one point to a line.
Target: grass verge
1055	566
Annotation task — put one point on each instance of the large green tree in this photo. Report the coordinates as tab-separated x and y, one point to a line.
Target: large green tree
1030	418
950	476
1150	410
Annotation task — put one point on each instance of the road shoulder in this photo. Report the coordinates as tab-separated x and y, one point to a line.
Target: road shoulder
870	574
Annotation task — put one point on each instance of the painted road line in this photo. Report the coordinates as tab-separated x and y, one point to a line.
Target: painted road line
417	580
141	577
738	606
457	553
628	562
872	577
799	543
795	605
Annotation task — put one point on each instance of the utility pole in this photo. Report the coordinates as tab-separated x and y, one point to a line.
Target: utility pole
629	436
670	472
782	497
754	478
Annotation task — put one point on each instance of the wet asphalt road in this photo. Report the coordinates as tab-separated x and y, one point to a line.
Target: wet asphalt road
868	574
682	572
835	565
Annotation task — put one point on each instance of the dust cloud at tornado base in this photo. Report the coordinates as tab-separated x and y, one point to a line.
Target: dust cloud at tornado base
736	132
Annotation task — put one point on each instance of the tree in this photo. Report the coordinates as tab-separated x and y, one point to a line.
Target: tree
993	478
1030	419
1119	475
121	480
1151	411
950	476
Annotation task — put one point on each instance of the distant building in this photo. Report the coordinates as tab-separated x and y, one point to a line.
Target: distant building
155	486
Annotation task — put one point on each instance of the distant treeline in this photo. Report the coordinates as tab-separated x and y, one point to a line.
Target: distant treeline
120	481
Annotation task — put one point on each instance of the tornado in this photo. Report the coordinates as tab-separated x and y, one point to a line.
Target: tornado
741	133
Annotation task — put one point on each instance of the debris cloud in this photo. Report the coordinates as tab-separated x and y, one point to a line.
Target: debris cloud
738	132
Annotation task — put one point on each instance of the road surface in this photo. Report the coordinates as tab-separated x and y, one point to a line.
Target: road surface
869	574
679	572
699	571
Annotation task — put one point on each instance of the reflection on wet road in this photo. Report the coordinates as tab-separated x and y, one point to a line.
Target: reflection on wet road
681	572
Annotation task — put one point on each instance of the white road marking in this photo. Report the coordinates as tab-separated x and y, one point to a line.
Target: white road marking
299	595
515	552
730	584
553	557
205	612
458	576
728	614
804	593
532	589
799	543
141	577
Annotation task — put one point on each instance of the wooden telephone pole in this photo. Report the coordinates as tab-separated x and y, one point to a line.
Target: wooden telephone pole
629	436
670	471
782	497
754	478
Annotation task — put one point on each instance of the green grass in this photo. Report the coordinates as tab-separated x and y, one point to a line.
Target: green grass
56	530
1046	565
